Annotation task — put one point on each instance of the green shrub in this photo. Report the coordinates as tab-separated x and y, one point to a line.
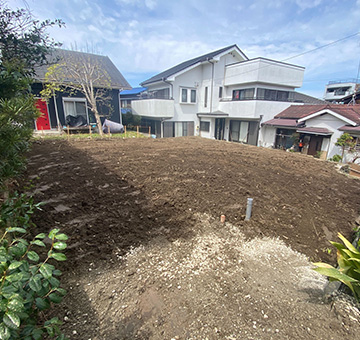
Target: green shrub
336	158
348	258
29	280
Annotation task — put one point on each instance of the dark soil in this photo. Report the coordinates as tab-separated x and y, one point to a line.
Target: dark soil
143	220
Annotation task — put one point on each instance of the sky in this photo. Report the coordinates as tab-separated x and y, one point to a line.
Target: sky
145	37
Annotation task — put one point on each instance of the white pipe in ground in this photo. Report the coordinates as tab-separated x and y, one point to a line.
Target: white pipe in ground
248	209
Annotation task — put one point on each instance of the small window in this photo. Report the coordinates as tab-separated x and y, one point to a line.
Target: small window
206	96
188	96
184	95
220	92
193	96
205	126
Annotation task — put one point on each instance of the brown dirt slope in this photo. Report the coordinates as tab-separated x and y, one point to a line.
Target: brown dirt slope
154	198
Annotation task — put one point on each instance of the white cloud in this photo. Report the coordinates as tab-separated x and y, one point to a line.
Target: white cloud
306	4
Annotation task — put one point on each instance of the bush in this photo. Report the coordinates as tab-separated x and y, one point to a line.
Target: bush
29	282
336	158
348	258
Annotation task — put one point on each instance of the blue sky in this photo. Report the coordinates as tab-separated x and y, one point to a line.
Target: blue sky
144	37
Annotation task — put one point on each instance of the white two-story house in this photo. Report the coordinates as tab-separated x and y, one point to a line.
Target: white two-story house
222	95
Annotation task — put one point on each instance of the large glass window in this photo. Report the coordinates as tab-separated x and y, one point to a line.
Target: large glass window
275	95
239	131
75	107
244	94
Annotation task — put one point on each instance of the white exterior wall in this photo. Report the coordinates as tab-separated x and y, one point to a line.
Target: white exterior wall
264	71
267	136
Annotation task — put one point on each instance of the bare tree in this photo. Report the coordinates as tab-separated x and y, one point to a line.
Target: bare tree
79	74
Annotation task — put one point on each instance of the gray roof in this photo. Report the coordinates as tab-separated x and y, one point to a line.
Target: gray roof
117	80
165	74
304	98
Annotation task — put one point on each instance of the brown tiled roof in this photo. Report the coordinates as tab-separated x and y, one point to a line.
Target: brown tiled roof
351	112
281	122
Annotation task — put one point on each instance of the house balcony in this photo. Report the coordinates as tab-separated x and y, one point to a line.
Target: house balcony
266	71
153	108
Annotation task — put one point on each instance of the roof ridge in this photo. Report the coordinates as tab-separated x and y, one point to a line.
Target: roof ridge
187	63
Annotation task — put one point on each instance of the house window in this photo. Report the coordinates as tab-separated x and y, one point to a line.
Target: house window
239	131
275	95
75	107
244	94
159	94
193	96
206	96
220	92
205	126
188	96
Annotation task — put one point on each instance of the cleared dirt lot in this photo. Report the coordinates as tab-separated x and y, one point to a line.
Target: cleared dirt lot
148	258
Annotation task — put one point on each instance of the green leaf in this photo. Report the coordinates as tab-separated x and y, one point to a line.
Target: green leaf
15	264
61	337
337	275
33	256
37	333
54	282
8	291
61	291
61	237
57	272
60	245
41	236
4	332
38	243
46	270
3	305
53	233
14	277
35	284
15	305
16	230
56	298
42	304
58	256
348	244
11	320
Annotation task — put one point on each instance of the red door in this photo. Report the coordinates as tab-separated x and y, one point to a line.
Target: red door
43	122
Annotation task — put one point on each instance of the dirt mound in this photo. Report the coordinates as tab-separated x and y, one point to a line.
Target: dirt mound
148	258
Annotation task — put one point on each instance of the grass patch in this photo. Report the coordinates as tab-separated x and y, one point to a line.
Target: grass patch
77	136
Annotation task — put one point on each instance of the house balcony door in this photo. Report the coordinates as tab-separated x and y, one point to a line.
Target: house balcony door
219	128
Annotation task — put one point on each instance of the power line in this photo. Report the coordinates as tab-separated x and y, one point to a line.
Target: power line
326	45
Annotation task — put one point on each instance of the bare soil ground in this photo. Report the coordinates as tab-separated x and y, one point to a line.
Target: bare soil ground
149	259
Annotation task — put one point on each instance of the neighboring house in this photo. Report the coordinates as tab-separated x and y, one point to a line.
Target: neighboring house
55	112
317	126
338	91
221	95
127	96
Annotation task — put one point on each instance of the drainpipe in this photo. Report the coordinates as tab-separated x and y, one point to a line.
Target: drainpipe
171	86
212	83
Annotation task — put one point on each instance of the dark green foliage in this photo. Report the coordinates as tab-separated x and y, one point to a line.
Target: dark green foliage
131	120
27	278
23	40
